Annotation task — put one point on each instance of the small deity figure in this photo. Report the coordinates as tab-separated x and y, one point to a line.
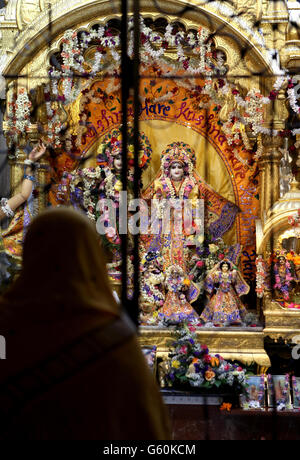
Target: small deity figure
225	285
152	288
285	278
180	292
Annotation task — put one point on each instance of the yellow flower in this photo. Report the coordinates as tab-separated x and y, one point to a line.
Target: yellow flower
155	314
176	364
201	239
118	186
213	248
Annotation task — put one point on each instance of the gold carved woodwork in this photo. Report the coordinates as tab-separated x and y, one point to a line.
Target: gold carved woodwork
246	347
270	172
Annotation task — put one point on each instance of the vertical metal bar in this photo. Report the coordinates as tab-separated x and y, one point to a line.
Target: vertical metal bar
137	171
124	84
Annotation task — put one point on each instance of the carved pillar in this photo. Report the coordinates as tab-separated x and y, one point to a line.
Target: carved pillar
270	173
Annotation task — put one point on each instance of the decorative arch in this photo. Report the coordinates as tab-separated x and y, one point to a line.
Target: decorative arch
37	36
38	42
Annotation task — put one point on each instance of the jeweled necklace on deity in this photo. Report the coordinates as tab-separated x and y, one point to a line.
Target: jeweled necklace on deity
172	188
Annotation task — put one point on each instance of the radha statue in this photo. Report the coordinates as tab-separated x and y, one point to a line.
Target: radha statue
225	285
176	182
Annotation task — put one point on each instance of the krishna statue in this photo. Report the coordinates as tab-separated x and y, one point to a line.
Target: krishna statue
178	193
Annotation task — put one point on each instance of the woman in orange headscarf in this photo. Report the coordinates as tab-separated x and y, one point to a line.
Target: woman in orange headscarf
72	358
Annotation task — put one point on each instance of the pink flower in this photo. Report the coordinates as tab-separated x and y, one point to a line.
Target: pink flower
192	328
239	369
183	350
227	368
200	263
110	232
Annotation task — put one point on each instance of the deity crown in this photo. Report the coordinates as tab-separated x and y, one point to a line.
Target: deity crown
178	151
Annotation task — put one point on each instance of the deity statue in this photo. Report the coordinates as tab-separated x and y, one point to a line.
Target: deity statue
92	188
284	278
179	227
152	288
225	285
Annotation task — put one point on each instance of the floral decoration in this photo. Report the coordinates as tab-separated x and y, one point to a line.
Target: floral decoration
201	60
18	115
191	364
261	276
207	257
283	284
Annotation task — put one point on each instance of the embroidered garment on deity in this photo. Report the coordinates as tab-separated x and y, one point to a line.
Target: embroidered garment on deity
176	184
225	285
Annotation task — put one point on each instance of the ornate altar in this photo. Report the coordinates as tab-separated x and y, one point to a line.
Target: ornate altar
224	97
281	235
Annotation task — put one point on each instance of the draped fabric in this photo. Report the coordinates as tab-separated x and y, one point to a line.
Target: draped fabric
61	296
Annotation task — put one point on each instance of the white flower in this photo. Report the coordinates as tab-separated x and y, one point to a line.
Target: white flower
213	248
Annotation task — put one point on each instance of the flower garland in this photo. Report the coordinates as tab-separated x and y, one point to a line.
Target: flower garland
294	220
283	285
18	115
90	178
150	293
177	281
54	125
183	192
154	47
191	364
261	276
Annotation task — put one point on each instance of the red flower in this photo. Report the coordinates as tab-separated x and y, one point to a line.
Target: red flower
207	359
183	350
273	94
143	38
221	256
235	92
